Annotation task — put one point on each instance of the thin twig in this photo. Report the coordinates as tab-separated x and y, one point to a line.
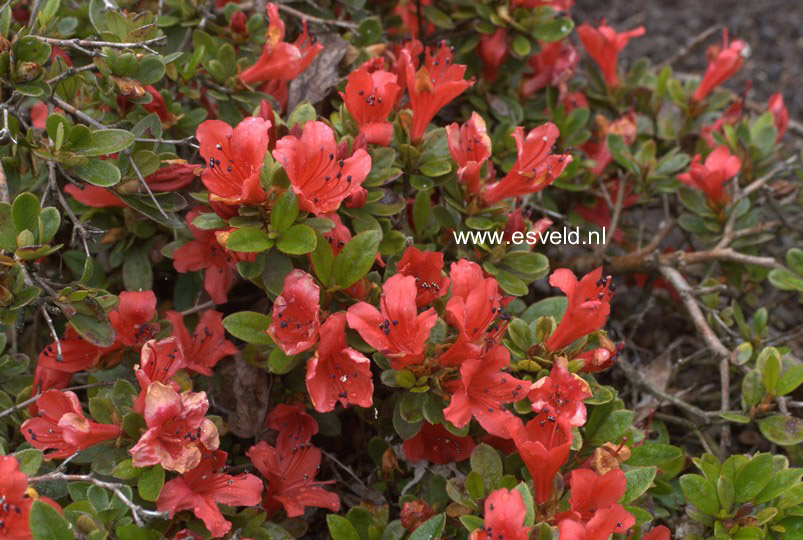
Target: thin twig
197	308
690	45
4	197
185	141
77	113
83	44
79	229
316	20
46	315
147	187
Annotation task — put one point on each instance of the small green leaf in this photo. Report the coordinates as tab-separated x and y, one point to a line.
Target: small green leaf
104	142
297	240
323	260
486	462
30	459
752	478
340	528
25	213
639	480
782	429
47	523
151	70
98	172
700	492
150	483
249	240
284	211
356	258
249	326
527	496
431	529
790	380
437	17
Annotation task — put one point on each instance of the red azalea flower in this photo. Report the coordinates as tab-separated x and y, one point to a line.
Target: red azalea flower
481	391
205	253
414	48
601	358
407	10
16	502
45	379
281	60
723	64
589	303
234	159
60	425
294	425
94	196
544	447
132	319
337	372
319	177
208	343
552	66
414	514
77	354
470	147
202	488
710	177
398	331
178	430
779	113
434	85
434	443
158	105
370	98
603	44
174	176
657	533
39	113
492	49
290	473
605	522
505	513
237	23
560	394
427	269
590	491
296	314
535	167
159	361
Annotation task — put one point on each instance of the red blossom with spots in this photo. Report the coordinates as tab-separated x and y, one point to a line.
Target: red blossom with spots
94	196
202	488
294	425
427	269
16	502
434	443
336	372
207	345
470	147
396	330
604	523
178	431
77	354
711	176
544	446
552	66
591	491
482	390
589	304
296	314
60	428
318	175
132	320
159	361
370	97
560	394
505	513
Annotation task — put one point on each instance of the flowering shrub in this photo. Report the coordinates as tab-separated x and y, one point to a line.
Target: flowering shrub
295	270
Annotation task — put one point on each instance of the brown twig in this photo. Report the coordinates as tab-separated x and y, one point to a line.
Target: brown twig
690	45
77	113
316	20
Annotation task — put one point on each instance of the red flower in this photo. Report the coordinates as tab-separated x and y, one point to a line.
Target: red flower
207	345
723	64
319	177
202	488
710	177
544	447
77	354
434	443
337	372
605	522
173	177
434	85
657	533
132	319
178	430
398	331
159	361
505	513
482	389
561	395
234	159
427	269
470	147
281	60
492	49
589	303
603	44
590	491
407	10
296	314
237	23
601	358
94	196
535	167
158	105
16	503
60	425
294	425
290	473
414	514
779	113
205	253
45	379
552	66
370	98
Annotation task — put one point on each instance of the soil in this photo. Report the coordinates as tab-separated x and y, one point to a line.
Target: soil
772	28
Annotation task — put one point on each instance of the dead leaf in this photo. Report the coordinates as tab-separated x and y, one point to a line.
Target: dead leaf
314	83
251	389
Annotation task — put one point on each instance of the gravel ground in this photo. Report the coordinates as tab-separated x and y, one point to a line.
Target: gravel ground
773	28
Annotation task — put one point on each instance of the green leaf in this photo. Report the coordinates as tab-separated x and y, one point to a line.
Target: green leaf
249	240
794	259
25	213
437	17
553	29
104	142
297	240
612	428
151	70
653	454
47	523
98	172
340	528
323	260
96	331
700	492
770	362
639	480
208	221
790	380
527	496
356	258
249	326
150	483
486	462
783	279
30	459
752	478
725	492
124	470
284	211
30	49
472	523
431	529
779	482
782	429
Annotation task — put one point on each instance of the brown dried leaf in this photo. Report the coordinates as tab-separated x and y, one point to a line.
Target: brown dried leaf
251	389
315	82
